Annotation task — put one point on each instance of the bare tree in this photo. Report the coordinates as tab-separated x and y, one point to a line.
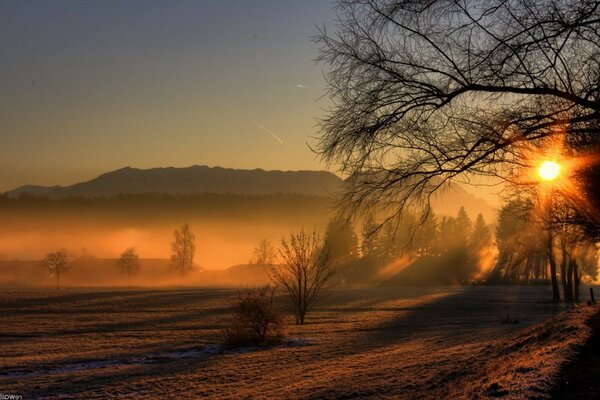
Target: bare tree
306	273
264	254
129	263
429	92
183	248
57	264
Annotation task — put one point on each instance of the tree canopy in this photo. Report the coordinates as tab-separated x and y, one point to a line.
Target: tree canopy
428	92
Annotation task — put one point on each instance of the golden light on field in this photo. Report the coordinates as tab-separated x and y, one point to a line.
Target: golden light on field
549	170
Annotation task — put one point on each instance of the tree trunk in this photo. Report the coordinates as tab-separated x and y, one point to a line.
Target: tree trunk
575	279
57	279
569	279
555	290
564	274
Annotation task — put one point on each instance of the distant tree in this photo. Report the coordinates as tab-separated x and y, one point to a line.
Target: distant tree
307	272
341	240
463	226
264	254
426	236
455	232
481	237
85	255
523	251
129	263
183	248
57	264
587	258
371	234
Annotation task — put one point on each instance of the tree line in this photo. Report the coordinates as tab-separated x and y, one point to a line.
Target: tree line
182	258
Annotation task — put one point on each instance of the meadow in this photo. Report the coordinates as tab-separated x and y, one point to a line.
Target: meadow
419	342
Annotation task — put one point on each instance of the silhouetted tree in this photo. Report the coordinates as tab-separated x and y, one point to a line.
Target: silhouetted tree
426	236
57	264
264	254
183	248
129	263
454	232
306	274
371	238
481	237
522	244
429	92
341	241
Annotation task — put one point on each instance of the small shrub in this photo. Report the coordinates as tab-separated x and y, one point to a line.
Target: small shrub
254	321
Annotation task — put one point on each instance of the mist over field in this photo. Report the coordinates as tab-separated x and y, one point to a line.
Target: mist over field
228	226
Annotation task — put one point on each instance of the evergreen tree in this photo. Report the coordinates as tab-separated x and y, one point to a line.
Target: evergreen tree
371	237
481	236
341	240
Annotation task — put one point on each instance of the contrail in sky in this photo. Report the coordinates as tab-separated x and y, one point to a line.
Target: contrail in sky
262	128
301	86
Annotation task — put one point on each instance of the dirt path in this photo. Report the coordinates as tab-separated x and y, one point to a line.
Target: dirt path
580	378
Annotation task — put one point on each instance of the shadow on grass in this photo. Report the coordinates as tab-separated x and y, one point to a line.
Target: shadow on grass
579	378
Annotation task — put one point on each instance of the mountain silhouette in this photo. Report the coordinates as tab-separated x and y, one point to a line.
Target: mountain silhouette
192	180
202	179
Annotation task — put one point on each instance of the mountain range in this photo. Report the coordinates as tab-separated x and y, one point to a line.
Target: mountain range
193	180
203	179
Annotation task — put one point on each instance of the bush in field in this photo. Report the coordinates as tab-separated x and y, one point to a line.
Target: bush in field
254	320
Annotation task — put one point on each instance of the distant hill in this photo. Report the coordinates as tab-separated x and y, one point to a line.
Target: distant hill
192	180
202	179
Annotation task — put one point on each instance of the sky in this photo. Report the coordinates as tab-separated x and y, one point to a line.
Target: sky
91	86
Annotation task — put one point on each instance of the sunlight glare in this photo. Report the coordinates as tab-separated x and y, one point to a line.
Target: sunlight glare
549	170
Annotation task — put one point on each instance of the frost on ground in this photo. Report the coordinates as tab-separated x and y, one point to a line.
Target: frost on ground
378	343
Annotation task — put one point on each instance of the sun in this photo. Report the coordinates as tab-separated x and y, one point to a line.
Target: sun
549	170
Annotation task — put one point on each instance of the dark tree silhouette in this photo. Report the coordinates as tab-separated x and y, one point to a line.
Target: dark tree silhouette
57	264
129	263
341	240
307	272
434	91
371	240
183	249
481	237
264	254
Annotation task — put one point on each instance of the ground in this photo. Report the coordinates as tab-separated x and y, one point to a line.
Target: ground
445	342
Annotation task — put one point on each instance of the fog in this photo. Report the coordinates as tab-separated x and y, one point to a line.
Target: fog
96	232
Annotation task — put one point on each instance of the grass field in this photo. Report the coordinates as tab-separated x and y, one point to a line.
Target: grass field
379	343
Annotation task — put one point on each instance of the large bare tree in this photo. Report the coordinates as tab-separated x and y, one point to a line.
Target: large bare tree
306	272
426	92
